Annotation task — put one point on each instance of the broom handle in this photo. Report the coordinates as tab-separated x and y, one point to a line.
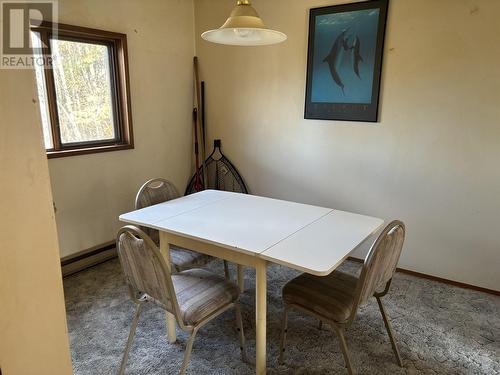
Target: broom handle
203	119
198	101
198	184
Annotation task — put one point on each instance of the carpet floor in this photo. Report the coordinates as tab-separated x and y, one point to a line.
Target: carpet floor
441	329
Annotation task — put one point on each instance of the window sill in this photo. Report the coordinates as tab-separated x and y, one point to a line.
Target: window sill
87	150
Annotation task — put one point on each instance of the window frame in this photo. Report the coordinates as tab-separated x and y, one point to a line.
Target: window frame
119	82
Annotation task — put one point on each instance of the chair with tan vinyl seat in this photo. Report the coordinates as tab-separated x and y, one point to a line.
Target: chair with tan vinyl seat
195	296
335	299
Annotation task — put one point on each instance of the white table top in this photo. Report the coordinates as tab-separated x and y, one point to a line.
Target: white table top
309	238
148	216
320	247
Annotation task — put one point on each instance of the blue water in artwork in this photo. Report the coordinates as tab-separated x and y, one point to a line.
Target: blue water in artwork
344	57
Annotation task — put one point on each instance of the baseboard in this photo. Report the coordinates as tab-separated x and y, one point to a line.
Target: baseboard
439	279
88	258
101	253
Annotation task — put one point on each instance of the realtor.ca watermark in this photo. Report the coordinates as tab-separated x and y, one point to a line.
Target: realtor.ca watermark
21	46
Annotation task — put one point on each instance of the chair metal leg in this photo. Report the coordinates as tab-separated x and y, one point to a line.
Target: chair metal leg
241	332
345	351
226	270
130	339
389	332
187	352
284	329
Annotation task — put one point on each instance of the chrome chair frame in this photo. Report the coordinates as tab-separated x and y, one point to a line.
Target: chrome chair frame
340	327
141	297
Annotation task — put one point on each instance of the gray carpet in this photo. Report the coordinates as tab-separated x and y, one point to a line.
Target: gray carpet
441	330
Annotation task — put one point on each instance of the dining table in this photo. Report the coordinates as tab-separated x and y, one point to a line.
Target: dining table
256	231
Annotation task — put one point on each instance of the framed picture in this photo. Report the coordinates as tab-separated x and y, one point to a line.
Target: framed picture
344	61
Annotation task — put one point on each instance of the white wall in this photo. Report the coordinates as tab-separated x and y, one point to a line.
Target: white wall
90	191
33	333
432	161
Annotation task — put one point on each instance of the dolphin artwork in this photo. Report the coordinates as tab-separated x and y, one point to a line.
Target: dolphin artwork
333	57
356	56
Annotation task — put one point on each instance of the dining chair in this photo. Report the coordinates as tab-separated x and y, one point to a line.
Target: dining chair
335	298
194	296
159	190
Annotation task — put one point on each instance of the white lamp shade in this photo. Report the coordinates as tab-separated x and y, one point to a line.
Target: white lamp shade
244	36
244	27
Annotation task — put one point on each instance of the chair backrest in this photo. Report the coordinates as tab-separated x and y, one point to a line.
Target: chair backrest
154	191
145	268
381	261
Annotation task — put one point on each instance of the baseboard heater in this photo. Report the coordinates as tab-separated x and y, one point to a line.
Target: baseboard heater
88	258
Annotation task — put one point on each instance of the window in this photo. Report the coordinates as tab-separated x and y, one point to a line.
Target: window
84	94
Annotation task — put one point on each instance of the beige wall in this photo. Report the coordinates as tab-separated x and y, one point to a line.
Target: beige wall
91	191
33	334
433	160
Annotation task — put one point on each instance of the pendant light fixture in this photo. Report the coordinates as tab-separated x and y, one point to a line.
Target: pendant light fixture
244	27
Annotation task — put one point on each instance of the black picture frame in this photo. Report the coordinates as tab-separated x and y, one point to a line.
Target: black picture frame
350	27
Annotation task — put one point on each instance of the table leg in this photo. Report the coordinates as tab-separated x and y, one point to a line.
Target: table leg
260	319
241	278
165	250
171	334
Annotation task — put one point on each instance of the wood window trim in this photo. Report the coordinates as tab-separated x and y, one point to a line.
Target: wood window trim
120	72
